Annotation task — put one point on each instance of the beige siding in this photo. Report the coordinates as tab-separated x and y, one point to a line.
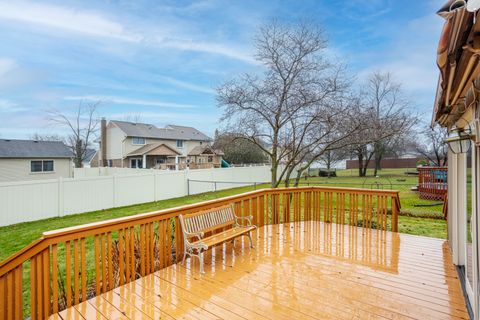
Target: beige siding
187	145
19	170
115	138
95	162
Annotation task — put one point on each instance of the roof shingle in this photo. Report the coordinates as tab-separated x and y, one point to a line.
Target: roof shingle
33	149
170	132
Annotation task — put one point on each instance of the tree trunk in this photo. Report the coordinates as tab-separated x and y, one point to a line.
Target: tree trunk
360	164
274	170
378	161
288	175
329	161
299	176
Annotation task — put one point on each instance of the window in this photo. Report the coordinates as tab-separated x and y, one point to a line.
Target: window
41	166
138	140
48	165
179	143
110	163
136	163
210	158
36	166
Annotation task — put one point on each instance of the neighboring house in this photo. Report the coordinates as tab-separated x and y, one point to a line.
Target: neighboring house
32	160
203	156
141	145
91	158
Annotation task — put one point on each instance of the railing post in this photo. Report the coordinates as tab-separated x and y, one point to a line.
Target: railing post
395	214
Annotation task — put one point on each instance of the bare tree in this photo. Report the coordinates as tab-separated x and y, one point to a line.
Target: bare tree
335	123
133	117
46	137
331	157
82	127
386	120
434	147
280	110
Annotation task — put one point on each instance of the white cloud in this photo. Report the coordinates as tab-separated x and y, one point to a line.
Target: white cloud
412	59
84	22
8	106
6	65
121	100
215	48
96	24
187	85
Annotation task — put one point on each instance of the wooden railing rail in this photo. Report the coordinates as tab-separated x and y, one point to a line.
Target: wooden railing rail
68	266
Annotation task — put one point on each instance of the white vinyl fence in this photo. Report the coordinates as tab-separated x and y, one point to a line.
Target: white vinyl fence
93	189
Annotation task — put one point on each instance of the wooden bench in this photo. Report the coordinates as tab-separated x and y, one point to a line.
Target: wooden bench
196	225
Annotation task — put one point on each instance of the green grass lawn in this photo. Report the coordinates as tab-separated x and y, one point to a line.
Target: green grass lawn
413	219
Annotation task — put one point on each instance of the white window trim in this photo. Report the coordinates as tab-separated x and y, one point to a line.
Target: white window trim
42	172
183	144
139	144
136	159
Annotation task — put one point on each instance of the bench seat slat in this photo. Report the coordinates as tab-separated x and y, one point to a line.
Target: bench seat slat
224	236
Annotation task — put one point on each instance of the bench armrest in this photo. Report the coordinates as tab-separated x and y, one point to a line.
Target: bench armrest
199	235
247	218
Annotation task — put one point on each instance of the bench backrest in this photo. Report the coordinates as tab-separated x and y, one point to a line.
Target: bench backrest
208	220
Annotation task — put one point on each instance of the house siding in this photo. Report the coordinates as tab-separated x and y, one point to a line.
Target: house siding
115	142
19	170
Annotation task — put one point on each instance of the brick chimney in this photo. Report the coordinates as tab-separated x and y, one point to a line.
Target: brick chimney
103	142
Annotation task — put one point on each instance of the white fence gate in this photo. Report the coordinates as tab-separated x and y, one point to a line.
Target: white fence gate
96	189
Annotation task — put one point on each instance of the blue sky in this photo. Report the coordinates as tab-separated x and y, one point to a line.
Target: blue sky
161	60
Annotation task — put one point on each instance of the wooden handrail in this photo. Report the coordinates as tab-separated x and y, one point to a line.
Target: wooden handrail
133	246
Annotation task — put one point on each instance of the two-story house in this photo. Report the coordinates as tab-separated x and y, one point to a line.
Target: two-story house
141	145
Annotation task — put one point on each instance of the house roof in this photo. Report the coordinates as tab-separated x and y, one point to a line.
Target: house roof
170	132
154	149
199	150
89	154
10	148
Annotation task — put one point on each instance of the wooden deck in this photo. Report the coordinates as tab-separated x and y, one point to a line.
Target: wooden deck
304	270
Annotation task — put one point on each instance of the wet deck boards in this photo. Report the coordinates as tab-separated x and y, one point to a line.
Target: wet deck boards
305	270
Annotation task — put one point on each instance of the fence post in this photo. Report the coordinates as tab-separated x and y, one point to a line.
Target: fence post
188	187
155	175
215	185
114	177
60	197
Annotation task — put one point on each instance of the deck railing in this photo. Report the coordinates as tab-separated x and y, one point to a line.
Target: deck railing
67	266
432	182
